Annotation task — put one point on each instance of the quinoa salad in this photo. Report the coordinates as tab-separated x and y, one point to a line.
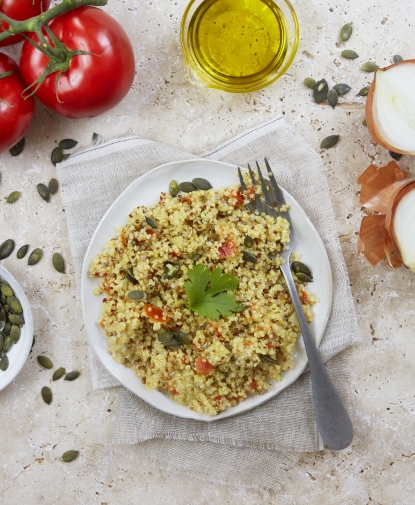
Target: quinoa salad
194	300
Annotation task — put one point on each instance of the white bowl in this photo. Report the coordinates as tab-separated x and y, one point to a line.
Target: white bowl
19	352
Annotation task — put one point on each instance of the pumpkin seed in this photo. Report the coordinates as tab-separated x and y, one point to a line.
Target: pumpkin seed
166	336
65	156
174	188
57	374
320	91
58	262
6	248
130	278
241	308
329	141
21	253
4	363
71	376
364	122
172	272
16	319
172	342
6	290
364	91
18	148
346	32
395	156
247	256
35	256
248	241
43	191
182	337
297	267
369	66
310	82
397	58
45	362
174	347
136	295
187	187
151	222
332	98
341	89
7	344
46	395
13	197
15	333
67	143
195	256
303	277
269	359
56	156
69	456
15	305
349	54
271	256
53	186
202	184
1	338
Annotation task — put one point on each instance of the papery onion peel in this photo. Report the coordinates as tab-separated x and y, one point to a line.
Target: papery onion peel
390	107
390	234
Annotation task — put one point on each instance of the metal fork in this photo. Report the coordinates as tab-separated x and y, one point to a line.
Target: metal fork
333	421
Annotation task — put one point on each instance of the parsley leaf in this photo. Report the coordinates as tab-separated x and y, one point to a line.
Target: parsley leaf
212	302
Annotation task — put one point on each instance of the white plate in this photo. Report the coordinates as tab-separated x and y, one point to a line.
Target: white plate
145	191
19	352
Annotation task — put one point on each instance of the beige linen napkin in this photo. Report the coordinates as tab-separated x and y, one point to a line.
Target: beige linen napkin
253	449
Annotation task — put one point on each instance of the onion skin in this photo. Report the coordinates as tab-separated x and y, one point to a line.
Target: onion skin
369	113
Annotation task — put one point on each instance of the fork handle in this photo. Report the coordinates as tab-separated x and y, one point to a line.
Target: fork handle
333	421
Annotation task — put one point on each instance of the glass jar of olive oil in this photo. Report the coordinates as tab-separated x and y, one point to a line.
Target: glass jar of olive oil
238	45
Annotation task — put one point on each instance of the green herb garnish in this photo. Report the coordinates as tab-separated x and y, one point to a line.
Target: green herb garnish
212	302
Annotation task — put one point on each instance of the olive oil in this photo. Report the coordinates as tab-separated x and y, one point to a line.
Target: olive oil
239	39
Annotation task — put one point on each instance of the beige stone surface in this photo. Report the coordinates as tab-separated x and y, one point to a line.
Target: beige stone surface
379	468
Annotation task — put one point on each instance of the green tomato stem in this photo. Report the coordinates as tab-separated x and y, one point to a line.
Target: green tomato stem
36	23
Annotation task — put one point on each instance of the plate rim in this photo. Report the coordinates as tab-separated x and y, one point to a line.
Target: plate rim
191	414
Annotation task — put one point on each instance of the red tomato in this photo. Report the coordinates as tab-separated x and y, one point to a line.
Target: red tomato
239	198
227	249
203	366
16	114
94	83
155	314
20	10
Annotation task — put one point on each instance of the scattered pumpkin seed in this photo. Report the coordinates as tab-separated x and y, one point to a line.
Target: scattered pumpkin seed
71	376
202	184
310	82
187	187
46	395
67	143
6	248
174	188
136	295
346	32
15	333
35	256
341	89
241	308
56	156
151	222
269	359
45	362
329	141
130	278
57	374
247	256
65	156
58	262
369	66
166	336
395	156
13	197
332	98
320	91
194	256
298	267
172	342
303	277
182	337
69	456
397	58
172	272
18	148
349	54
53	186
21	253
43	192
364	91
364	122
176	347
4	363
248	241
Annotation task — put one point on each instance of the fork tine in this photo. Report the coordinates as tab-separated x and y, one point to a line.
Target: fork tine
258	204
243	188
270	207
279	198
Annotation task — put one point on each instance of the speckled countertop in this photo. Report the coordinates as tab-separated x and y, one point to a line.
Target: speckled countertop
379	468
